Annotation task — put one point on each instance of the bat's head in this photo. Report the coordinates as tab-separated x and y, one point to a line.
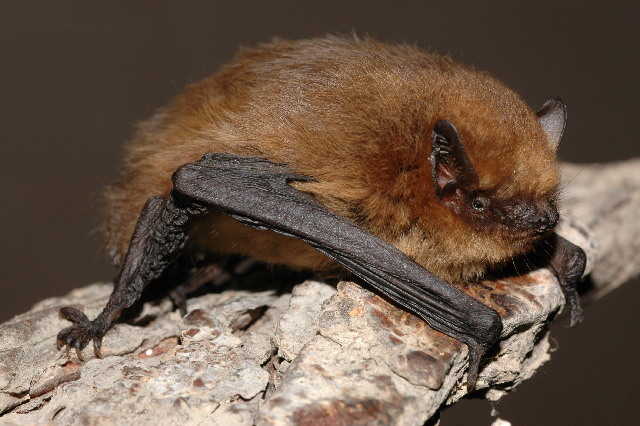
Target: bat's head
518	215
493	187
519	206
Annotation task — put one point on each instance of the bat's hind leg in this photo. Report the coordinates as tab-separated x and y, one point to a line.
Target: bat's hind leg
216	273
160	235
213	273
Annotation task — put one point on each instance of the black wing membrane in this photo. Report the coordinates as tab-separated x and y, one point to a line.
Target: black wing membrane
256	192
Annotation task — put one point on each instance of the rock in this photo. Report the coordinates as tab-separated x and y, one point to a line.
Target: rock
170	371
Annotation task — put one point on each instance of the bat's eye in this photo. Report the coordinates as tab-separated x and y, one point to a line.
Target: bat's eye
480	203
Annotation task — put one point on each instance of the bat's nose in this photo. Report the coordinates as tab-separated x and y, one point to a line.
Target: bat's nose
532	217
545	220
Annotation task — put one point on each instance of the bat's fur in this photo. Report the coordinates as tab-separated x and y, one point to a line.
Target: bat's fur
357	116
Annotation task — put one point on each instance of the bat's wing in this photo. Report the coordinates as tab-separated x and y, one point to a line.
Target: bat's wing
257	193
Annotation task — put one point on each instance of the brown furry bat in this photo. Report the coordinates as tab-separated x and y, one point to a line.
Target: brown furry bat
358	154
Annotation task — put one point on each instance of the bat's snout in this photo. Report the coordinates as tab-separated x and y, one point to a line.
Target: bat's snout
546	220
531	217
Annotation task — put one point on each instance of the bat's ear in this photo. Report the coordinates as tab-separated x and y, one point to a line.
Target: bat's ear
553	118
450	167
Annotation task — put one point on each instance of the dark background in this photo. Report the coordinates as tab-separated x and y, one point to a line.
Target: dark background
75	77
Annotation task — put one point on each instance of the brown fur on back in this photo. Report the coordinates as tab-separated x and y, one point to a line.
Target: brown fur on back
357	116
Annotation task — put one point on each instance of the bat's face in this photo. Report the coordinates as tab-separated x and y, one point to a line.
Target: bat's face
508	209
492	195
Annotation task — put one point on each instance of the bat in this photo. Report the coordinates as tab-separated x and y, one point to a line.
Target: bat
411	171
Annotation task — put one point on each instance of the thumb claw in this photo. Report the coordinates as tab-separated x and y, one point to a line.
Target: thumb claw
74	315
476	353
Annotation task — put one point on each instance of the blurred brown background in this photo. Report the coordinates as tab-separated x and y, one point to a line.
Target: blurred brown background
76	76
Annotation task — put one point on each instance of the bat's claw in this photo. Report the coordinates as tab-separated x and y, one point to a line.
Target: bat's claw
80	334
575	308
575	315
476	353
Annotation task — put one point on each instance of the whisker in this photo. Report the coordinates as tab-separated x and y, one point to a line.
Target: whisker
526	261
572	179
513	261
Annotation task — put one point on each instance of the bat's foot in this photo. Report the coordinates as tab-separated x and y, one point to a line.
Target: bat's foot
80	334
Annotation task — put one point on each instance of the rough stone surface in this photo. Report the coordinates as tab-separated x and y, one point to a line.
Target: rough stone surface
298	325
172	370
400	364
311	356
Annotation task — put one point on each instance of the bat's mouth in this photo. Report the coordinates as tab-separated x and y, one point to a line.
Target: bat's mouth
531	221
525	239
